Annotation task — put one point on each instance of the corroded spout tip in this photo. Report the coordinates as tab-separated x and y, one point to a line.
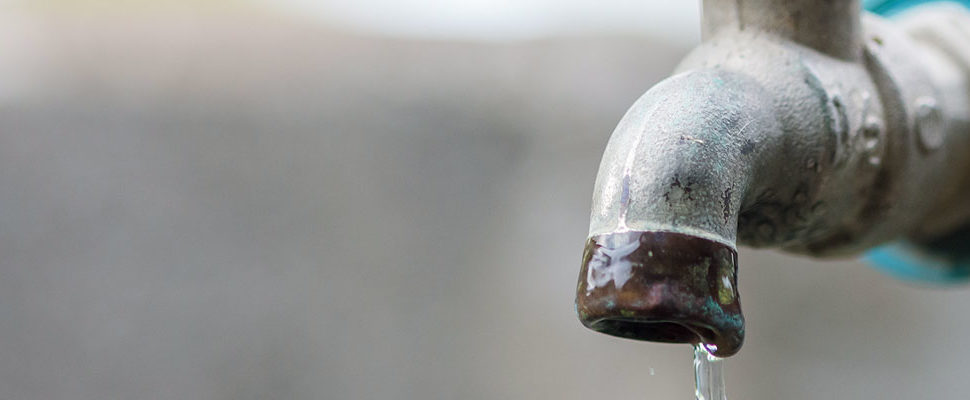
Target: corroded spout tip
662	287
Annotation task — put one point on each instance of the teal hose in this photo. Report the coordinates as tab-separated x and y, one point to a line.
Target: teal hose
888	8
944	262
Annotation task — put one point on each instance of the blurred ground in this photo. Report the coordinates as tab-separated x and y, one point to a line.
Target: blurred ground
244	207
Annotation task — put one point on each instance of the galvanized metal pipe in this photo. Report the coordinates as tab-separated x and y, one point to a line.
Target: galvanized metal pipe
829	26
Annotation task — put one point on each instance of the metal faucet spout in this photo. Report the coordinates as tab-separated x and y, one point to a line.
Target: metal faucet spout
661	262
819	139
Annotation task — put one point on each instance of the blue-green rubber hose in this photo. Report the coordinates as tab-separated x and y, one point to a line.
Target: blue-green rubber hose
946	261
888	8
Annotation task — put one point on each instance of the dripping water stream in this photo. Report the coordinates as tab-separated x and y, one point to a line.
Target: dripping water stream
708	375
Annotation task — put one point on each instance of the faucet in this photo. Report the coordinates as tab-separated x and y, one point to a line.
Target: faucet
808	126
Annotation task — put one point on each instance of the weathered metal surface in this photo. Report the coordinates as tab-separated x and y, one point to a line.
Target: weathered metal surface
662	287
794	125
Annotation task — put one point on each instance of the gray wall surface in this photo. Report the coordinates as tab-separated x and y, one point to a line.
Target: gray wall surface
244	207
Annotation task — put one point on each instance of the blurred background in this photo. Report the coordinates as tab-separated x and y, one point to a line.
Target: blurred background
372	199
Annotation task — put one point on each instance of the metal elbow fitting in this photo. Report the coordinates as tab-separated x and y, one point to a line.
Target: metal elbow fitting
797	125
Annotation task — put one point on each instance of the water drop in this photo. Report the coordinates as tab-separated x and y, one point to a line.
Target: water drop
930	125
871	132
